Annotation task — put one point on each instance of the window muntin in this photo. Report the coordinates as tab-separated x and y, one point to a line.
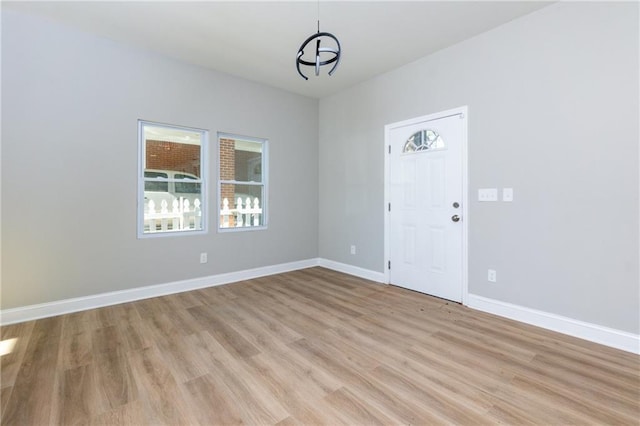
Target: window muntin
172	196
242	185
423	140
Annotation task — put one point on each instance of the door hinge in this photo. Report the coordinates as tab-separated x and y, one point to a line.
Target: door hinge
389	149
389	206
389	264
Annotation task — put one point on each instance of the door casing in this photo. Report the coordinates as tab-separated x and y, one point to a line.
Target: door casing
463	111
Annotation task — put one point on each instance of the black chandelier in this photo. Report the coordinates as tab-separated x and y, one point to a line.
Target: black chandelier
323	55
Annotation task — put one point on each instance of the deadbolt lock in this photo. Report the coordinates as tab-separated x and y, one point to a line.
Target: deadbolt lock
456	205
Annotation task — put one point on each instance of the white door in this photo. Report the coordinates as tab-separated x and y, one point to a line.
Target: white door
426	211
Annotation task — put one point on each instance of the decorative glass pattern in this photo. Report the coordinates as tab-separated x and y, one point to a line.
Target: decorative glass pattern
423	140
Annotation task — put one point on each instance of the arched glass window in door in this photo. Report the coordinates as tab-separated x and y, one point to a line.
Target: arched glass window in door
422	141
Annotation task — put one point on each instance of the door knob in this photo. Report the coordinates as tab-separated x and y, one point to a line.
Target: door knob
455	218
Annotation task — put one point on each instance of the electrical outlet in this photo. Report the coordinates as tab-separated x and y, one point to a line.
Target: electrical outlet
488	194
491	275
203	257
507	194
353	249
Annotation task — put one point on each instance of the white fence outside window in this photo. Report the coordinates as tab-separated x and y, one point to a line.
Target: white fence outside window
246	214
183	216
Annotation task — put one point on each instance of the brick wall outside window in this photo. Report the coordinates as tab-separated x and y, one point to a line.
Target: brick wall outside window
173	156
227	169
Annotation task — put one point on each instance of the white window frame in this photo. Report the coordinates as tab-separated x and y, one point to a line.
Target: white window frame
204	171
265	184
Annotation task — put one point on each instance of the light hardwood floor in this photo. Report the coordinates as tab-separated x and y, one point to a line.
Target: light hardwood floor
308	347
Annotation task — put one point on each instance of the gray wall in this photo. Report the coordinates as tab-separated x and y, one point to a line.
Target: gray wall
553	113
70	105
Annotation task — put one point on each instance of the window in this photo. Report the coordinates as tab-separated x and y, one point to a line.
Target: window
171	187
242	186
423	140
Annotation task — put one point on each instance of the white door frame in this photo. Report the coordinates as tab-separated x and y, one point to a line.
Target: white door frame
463	111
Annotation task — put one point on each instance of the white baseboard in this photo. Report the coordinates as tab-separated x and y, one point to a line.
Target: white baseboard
59	307
595	333
607	336
367	274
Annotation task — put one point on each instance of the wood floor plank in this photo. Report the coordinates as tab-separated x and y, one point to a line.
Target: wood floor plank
218	295
430	398
315	302
556	376
21	330
160	329
223	332
184	363
304	317
278	329
338	347
303	372
355	410
134	336
368	387
112	315
587	387
263	337
308	347
153	307
18	335
5	394
130	414
33	392
79	322
115	378
107	339
592	411
80	396
255	404
322	294
184	300
300	392
76	350
162	400
209	404
296	318
432	372
620	383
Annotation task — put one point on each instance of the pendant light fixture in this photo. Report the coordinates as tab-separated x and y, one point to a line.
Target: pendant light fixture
323	55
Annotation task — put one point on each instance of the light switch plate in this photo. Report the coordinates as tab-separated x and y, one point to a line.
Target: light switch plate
488	194
507	194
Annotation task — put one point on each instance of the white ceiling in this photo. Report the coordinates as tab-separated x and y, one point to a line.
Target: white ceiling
259	40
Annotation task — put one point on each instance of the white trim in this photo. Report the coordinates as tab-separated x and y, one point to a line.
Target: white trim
463	111
595	333
264	183
59	307
387	192
465	204
367	274
204	180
